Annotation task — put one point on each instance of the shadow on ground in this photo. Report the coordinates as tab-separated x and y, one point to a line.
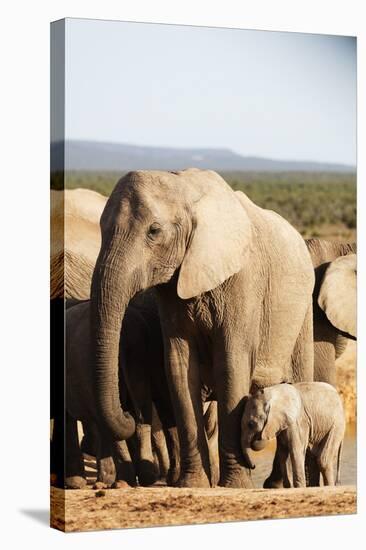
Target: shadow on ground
42	516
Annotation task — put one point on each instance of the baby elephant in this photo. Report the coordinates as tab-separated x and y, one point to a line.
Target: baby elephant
305	416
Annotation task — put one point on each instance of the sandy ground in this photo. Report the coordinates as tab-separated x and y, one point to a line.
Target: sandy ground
147	507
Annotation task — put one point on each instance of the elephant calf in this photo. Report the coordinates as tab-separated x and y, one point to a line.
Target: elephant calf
307	416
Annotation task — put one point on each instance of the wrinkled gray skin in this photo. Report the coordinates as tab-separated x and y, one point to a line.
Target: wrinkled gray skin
234	285
334	303
334	319
303	417
142	371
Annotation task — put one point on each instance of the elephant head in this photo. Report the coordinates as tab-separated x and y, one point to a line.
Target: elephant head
338	294
186	227
266	413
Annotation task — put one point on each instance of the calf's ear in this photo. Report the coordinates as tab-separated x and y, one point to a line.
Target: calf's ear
276	420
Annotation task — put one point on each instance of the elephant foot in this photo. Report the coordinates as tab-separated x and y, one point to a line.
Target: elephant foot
121	484
237	480
273	483
172	477
106	470
214	472
147	473
126	473
197	480
75	482
100	485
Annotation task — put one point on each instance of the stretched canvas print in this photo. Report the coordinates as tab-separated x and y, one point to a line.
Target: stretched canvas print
203	275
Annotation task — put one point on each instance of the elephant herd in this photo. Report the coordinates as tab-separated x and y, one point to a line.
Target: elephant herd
198	325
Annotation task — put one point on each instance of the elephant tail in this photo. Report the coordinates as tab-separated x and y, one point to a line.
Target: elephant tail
339	458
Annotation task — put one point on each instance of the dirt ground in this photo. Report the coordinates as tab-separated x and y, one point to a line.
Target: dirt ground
89	510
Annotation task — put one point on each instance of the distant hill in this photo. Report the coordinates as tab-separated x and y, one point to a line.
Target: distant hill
98	156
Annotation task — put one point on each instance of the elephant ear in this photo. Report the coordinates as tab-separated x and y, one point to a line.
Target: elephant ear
276	421
219	242
282	406
338	293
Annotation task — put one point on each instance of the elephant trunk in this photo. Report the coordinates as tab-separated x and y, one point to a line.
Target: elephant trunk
111	293
245	450
258	444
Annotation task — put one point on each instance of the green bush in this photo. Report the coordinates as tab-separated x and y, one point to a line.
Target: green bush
306	199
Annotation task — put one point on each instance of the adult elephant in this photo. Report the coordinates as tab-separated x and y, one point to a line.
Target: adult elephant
75	241
234	285
334	303
75	244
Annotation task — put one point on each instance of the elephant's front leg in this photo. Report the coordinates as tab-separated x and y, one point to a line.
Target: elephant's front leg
275	479
185	388
75	474
232	372
297	456
106	470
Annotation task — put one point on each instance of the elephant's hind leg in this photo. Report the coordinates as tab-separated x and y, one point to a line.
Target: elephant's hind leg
106	470
212	432
275	478
327	456
125	469
75	473
312	470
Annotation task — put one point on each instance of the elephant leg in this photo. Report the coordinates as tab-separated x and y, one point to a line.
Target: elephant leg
106	470
185	389
160	448
231	372
282	457
161	452
328	454
88	444
328	474
57	452
172	442
312	470
297	456
125	469
328	346
275	479
147	472
137	380
166	414
75	473
212	432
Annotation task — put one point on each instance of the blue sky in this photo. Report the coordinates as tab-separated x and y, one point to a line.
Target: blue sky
270	94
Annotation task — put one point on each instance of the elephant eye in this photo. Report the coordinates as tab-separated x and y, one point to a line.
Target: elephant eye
251	424
154	230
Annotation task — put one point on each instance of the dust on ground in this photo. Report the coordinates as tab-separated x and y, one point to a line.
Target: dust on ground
88	510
